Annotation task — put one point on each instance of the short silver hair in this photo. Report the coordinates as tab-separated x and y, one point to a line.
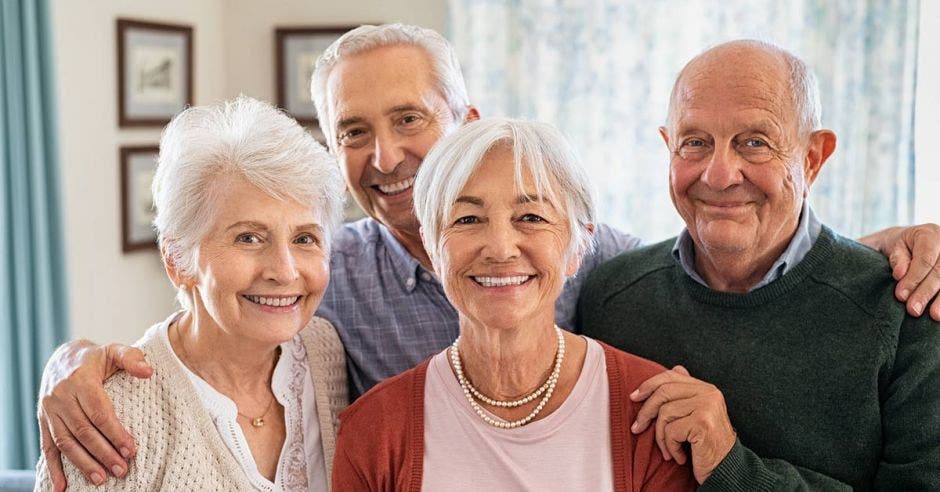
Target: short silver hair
802	84
445	68
538	148
243	137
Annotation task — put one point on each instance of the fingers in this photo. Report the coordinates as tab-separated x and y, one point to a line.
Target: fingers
664	394
102	434
900	260
935	309
926	290
130	359
667	446
65	441
924	244
52	456
652	384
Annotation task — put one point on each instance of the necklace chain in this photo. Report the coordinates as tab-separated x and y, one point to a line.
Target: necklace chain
472	394
256	422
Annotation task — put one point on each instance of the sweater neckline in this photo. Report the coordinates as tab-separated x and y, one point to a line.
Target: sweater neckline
817	256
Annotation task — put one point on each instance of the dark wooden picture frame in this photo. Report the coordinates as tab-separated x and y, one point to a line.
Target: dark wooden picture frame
153	82
296	49
138	165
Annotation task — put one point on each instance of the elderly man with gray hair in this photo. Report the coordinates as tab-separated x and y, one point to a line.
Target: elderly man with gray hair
807	373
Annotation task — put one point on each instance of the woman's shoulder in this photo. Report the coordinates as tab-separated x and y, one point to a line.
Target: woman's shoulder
630	369
392	400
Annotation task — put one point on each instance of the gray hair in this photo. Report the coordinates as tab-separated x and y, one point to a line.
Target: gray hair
445	68
538	148
243	137
802	84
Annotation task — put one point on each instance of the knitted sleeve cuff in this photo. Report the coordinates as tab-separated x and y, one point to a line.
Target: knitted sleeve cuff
741	470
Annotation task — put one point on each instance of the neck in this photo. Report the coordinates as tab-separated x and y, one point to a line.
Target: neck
234	366
735	270
507	363
411	240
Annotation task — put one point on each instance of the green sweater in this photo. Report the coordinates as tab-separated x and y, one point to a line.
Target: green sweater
828	382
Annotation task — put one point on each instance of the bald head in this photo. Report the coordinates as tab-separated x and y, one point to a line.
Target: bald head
783	80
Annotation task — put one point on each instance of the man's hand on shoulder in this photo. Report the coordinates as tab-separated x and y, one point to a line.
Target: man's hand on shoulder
76	417
686	410
914	254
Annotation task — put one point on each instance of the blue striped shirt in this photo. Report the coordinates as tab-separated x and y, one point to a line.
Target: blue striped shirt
391	313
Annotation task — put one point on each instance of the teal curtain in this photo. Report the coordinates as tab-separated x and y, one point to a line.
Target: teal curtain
33	304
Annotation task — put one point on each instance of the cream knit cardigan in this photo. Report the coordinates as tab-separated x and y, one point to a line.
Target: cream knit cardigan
178	446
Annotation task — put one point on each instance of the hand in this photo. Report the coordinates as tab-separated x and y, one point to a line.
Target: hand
686	410
75	414
914	254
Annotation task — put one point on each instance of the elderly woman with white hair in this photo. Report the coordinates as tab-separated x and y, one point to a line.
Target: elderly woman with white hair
246	383
516	402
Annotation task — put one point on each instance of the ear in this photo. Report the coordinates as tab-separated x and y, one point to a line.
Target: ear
822	143
177	278
663	132
472	114
574	263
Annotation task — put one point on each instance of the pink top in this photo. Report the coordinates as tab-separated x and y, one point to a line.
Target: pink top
567	450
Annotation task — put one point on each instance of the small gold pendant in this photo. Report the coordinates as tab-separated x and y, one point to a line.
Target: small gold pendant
257	422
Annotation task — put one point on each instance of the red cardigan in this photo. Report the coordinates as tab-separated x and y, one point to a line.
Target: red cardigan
380	444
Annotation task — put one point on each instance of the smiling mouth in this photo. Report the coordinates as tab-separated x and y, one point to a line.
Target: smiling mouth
396	188
273	301
502	281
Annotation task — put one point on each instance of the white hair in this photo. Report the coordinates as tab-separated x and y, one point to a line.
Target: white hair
445	68
243	137
802	85
538	149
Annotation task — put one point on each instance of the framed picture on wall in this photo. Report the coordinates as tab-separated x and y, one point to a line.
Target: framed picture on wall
155	71
296	53
138	166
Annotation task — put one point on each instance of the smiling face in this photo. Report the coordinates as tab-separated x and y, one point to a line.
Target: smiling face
502	258
388	114
262	267
739	169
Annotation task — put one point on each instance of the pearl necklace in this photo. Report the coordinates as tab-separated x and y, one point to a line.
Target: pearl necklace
473	394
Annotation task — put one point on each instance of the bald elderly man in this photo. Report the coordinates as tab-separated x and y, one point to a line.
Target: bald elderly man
806	373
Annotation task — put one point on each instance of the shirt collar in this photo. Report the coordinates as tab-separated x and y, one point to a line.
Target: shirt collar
407	268
806	233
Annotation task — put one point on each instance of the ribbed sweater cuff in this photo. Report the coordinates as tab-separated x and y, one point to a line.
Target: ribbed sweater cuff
741	471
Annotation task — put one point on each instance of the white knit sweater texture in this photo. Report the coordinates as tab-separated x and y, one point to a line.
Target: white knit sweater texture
178	445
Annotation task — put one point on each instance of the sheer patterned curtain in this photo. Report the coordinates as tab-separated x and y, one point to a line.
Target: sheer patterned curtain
602	70
32	298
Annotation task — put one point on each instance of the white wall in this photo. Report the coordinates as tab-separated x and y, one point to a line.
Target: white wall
115	296
927	122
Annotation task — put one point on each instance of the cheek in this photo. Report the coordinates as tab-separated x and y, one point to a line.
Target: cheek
353	164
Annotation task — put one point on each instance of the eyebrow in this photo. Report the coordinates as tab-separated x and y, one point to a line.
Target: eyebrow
352	120
521	199
250	224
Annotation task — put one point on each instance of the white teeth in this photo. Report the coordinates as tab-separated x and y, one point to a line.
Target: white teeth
395	188
273	301
500	281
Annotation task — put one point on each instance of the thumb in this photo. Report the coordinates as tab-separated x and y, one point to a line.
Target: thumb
130	359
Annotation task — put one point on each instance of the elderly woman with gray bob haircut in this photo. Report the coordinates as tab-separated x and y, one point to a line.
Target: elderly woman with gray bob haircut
516	403
246	383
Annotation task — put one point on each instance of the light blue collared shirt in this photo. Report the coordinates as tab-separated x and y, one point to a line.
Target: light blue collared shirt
806	233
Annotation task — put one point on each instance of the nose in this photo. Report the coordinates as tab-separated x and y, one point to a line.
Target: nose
500	242
281	266
388	153
723	169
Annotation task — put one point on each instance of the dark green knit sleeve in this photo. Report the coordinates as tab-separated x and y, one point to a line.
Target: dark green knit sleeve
911	411
744	471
